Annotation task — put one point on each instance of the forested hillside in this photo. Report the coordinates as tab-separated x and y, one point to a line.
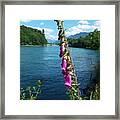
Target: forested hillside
30	36
91	41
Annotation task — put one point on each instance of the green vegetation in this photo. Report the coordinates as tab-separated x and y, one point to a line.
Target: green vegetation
30	36
31	92
93	90
91	41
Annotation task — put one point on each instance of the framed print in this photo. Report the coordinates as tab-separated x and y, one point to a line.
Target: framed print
60	60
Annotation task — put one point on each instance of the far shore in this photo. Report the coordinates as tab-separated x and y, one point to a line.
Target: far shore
40	45
55	45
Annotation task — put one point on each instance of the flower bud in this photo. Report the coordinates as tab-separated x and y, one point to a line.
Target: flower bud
68	80
64	65
62	49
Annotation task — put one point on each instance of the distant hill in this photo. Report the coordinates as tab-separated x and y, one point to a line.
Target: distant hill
31	36
76	36
53	41
90	41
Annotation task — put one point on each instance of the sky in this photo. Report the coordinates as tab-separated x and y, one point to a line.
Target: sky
72	26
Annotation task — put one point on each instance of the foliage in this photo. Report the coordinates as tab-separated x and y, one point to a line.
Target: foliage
67	66
30	36
93	90
91	41
31	92
93	93
73	93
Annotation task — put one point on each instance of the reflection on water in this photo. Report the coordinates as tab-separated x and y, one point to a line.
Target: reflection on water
43	63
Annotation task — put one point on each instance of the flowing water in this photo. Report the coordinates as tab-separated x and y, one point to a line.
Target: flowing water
44	63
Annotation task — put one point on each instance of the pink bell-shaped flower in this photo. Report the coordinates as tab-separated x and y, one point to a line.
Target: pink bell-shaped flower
62	49
64	65
68	80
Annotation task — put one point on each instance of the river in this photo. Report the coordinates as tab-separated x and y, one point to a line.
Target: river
43	63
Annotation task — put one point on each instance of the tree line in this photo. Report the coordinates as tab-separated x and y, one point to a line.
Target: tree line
31	36
90	41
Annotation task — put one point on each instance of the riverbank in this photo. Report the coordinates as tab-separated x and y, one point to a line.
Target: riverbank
39	45
85	48
56	45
